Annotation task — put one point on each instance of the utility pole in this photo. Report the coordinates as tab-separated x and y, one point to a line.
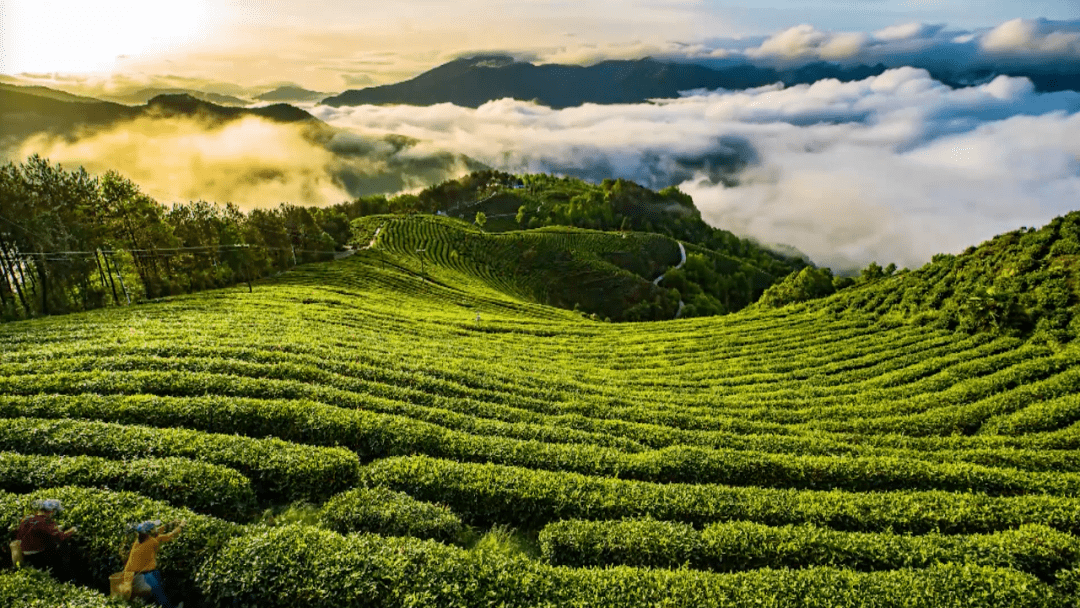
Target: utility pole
120	276
423	273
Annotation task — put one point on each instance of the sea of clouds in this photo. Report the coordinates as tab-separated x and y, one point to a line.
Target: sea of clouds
894	168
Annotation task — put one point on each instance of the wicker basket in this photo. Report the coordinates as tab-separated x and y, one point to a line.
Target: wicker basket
126	585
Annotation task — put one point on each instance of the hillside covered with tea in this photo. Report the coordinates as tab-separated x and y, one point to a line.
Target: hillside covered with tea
411	425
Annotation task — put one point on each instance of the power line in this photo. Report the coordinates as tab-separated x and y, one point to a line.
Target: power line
157	250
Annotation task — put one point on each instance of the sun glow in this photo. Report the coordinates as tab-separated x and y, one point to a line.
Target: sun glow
75	36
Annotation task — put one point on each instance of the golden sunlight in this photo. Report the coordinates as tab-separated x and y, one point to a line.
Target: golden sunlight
74	36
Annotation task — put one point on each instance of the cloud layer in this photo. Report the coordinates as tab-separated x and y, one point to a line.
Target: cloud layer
252	162
894	168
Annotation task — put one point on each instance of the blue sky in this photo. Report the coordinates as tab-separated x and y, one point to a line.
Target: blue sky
769	15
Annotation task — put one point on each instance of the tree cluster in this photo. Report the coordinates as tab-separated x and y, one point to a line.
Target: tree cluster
72	241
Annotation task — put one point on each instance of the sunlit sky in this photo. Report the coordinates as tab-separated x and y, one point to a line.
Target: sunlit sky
342	43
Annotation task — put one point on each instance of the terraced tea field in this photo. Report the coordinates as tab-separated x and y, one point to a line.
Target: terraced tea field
780	458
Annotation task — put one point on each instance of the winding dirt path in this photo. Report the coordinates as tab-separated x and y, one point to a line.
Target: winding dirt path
656	281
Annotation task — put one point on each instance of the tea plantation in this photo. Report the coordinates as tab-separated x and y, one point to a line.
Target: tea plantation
409	426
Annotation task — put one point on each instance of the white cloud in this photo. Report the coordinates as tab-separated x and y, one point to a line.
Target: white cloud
793	42
907	31
1036	36
894	168
804	41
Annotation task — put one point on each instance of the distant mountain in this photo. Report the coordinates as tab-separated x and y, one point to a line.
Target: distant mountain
474	81
290	93
1045	81
145	95
41	91
23	113
187	105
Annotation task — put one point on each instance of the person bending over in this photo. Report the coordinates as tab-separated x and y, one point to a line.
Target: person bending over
43	545
143	557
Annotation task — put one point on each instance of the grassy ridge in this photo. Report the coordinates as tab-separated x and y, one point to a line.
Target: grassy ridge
1026	282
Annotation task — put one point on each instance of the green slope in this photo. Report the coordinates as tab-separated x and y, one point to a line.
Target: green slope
608	275
1025	282
842	441
723	273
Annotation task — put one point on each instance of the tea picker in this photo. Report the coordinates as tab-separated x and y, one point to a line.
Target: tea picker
141	571
39	542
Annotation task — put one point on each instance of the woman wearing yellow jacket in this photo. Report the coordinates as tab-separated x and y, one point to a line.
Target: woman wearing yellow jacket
143	557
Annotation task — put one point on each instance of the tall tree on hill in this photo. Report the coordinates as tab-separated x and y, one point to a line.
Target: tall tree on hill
45	235
138	223
14	237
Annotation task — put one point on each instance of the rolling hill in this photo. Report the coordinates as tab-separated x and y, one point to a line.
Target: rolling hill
1025	282
718	272
444	440
603	274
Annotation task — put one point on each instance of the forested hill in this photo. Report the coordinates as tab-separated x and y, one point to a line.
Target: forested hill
1025	282
514	202
722	273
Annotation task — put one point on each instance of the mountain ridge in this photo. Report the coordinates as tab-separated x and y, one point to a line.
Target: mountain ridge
290	93
475	80
23	113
